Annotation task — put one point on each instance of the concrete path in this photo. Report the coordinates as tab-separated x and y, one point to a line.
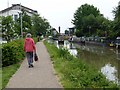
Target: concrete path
41	76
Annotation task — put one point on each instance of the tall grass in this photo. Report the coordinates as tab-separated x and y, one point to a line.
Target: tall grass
75	73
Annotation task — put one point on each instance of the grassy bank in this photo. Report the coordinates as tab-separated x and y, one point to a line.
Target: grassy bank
74	73
7	72
0	78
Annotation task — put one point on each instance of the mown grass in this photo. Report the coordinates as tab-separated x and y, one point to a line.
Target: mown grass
75	73
0	78
0	66
7	72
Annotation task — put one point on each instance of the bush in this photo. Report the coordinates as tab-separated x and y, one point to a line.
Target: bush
12	52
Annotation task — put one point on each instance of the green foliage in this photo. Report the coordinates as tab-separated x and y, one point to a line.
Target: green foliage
8	32
40	25
116	11
26	23
26	20
89	22
116	26
0	78
35	39
66	32
11	29
64	53
79	33
84	11
7	72
74	72
12	52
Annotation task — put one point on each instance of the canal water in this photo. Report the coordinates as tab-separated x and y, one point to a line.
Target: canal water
106	60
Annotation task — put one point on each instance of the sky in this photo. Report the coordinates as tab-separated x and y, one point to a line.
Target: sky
60	12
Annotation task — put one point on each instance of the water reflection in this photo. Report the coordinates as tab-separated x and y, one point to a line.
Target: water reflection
110	72
106	60
91	48
71	48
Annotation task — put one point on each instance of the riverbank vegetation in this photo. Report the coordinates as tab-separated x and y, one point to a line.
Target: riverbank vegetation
75	73
0	78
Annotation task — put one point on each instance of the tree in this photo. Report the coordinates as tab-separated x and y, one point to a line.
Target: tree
104	26
79	33
40	25
26	20
0	27
66	32
116	11
26	23
33	25
11	28
89	25
85	19
89	22
116	27
8	32
83	11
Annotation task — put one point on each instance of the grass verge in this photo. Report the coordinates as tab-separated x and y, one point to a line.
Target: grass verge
0	78
75	73
7	72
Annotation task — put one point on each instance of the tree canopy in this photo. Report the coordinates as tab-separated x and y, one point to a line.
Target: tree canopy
40	25
89	21
116	26
35	24
8	32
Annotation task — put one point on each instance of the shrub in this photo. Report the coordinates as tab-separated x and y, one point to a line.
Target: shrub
12	52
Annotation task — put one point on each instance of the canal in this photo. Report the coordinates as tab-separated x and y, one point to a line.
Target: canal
105	59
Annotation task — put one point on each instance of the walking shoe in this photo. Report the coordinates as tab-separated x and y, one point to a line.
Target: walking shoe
32	65
29	66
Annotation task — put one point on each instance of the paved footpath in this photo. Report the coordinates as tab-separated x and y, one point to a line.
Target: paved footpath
41	76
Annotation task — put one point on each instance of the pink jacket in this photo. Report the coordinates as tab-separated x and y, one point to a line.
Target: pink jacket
29	45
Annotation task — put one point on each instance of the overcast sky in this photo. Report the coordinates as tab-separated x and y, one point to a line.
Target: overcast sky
60	12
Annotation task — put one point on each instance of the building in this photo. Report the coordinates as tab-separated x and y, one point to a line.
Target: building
15	11
71	30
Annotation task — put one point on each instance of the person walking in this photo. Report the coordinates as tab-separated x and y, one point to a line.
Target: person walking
29	48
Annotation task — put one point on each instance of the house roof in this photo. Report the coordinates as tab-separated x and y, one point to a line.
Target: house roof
23	7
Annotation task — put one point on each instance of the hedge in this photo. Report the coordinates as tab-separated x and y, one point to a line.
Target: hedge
12	52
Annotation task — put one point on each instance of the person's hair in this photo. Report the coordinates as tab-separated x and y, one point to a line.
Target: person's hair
28	35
